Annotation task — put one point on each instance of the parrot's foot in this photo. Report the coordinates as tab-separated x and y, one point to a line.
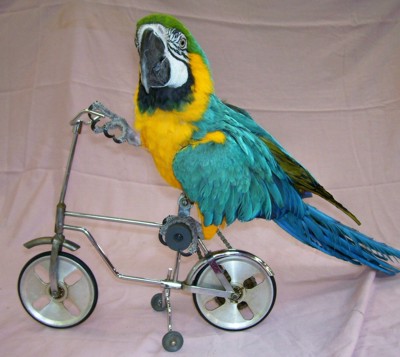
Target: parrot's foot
117	123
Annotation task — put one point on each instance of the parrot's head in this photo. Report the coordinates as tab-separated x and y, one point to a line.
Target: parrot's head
172	64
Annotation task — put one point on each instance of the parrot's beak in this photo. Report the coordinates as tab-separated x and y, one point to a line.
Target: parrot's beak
154	66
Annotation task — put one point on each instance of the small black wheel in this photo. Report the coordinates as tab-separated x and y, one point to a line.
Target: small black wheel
160	237
78	289
172	341
157	302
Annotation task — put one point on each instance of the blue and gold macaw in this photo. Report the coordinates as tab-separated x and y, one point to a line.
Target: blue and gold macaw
222	159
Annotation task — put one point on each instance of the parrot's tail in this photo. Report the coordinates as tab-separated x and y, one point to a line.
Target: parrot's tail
332	237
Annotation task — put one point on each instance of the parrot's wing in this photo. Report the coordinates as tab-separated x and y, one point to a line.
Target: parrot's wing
301	178
237	179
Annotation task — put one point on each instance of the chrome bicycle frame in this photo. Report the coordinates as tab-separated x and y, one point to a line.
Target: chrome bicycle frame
58	241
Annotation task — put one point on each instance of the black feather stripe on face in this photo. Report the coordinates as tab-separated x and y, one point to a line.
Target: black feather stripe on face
174	53
175	45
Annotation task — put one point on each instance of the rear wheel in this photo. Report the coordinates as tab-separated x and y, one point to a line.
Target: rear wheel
254	286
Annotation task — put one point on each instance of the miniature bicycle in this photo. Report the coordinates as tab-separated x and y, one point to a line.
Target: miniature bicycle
232	289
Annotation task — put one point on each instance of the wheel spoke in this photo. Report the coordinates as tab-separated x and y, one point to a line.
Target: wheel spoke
56	311
228	313
259	298
240	272
74	277
245	310
72	308
66	269
41	271
37	288
80	294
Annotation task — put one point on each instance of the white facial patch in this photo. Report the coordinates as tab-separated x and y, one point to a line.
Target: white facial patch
179	72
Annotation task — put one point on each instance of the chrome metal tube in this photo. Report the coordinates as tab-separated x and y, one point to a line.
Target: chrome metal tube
112	219
76	131
174	285
177	265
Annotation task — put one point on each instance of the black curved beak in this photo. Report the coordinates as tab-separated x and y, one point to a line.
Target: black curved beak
154	66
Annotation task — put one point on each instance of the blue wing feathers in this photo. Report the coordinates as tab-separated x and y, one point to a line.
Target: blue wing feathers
246	189
241	179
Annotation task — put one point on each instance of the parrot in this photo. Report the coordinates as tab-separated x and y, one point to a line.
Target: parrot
230	167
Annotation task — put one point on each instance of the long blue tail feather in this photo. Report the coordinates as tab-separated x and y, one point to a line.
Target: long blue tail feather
328	235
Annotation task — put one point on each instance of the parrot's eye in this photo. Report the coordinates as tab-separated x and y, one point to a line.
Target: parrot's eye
183	43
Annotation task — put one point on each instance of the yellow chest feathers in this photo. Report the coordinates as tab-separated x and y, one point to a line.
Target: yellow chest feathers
164	133
163	139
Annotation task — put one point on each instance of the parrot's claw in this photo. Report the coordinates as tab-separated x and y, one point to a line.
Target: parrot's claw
127	133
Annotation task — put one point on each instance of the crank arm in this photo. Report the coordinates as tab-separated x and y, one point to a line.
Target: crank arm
208	291
220	275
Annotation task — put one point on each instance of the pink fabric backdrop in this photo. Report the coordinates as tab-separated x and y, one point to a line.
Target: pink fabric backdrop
322	77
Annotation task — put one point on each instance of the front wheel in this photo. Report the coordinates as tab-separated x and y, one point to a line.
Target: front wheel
254	286
77	287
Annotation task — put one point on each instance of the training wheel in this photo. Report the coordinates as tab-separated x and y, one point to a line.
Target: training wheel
172	341
78	291
157	302
253	283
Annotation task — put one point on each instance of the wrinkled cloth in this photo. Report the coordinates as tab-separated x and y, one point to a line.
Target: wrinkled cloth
322	77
